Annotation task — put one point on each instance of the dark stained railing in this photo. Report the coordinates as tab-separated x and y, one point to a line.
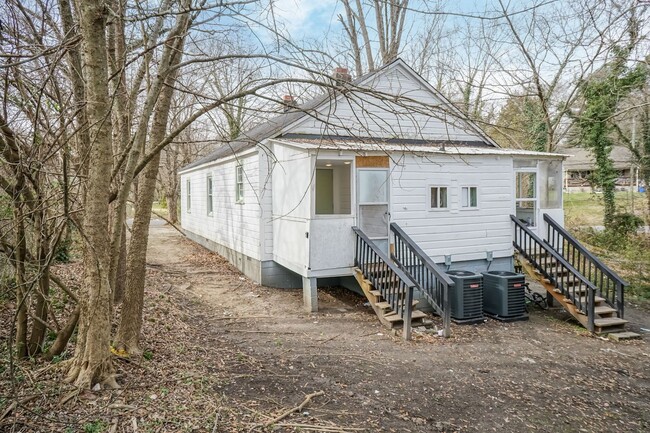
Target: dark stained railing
429	278
608	284
393	284
556	269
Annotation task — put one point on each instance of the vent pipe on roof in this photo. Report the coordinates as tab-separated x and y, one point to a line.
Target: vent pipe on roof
289	102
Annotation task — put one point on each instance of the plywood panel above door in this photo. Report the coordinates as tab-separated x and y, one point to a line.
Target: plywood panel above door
372	161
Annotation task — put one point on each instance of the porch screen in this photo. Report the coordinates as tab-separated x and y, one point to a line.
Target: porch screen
550	184
374	220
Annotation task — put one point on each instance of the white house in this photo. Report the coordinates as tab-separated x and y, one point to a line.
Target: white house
281	200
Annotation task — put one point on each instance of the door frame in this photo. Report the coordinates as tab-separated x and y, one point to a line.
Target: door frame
535	200
359	203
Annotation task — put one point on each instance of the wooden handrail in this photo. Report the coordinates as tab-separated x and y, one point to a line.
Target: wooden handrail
394	285
608	284
546	248
576	243
430	264
430	279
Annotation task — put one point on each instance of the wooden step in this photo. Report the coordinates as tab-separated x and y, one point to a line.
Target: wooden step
386	306
604	309
609	321
569	288
597	299
392	279
558	270
624	336
417	314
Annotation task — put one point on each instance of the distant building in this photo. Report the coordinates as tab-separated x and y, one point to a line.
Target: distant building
580	167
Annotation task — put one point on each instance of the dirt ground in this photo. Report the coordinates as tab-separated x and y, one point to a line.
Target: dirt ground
546	374
223	354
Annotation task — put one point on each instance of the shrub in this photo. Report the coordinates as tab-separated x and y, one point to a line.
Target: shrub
625	224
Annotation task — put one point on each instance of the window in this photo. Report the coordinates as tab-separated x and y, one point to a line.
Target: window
550	185
526	197
188	190
239	186
208	188
469	197
438	197
333	190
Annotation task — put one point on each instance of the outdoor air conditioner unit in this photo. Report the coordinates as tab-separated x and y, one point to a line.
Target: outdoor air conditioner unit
503	295
466	297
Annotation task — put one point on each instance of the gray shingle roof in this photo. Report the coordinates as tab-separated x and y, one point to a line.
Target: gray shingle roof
272	127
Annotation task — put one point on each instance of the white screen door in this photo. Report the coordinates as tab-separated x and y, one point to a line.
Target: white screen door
373	195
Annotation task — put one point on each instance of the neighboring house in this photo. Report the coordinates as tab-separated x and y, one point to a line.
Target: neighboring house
580	166
280	201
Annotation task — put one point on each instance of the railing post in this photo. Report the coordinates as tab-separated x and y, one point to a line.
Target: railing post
591	300
620	301
406	315
446	318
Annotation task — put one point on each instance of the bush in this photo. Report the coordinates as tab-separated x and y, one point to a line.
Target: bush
62	252
625	224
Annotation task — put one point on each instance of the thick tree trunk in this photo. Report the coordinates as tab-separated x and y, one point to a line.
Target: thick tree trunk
172	204
92	361
82	136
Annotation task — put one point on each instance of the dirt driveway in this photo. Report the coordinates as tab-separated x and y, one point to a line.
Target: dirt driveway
545	375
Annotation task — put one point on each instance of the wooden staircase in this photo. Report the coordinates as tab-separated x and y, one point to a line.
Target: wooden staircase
388	289
584	286
389	282
605	317
382	307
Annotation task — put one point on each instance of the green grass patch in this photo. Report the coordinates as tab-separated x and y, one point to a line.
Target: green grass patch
586	208
627	254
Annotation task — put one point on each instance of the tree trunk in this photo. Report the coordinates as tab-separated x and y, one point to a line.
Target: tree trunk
62	337
172	204
21	284
92	360
40	309
120	280
127	338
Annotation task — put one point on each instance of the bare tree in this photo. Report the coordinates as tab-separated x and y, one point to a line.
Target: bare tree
387	29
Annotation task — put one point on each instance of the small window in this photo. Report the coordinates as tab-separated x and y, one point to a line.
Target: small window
469	197
239	187
188	189
438	197
208	188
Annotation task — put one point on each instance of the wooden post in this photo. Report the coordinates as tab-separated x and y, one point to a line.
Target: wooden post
310	294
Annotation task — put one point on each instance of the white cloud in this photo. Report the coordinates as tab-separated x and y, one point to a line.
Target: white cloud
305	17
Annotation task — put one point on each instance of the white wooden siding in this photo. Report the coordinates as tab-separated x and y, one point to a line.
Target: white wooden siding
292	178
465	234
266	199
236	226
367	116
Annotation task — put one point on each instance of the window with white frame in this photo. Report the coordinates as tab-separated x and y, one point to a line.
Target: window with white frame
209	195
188	191
469	197
438	197
526	197
239	185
